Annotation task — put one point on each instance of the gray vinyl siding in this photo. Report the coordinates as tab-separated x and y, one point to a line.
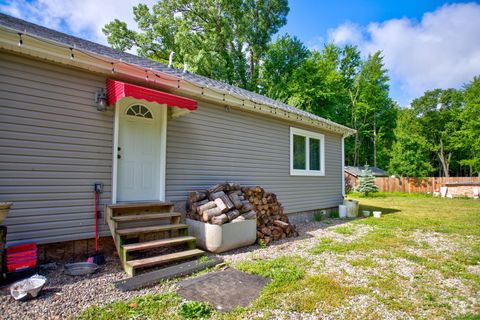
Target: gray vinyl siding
212	145
54	145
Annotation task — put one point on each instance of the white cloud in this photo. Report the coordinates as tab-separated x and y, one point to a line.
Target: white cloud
440	51
83	18
346	33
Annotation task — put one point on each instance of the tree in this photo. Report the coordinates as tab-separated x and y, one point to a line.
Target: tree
223	40
337	84
411	151
317	86
376	112
438	114
468	137
282	58
366	182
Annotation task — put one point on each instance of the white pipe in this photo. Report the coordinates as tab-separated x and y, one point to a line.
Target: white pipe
170	59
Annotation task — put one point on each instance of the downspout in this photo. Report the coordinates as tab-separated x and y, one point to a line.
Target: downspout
170	59
343	166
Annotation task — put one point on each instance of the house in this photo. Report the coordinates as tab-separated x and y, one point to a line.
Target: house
74	113
352	173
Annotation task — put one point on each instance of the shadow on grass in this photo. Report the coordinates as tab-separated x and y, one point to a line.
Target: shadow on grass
382	195
374	208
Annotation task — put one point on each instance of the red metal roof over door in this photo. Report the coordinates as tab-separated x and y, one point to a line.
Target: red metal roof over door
117	90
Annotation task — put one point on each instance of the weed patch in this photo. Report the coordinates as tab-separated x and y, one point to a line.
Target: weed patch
195	310
366	262
345	230
152	306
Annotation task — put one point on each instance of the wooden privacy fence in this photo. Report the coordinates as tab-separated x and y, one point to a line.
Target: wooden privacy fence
418	185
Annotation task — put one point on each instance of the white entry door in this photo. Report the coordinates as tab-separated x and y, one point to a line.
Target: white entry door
139	153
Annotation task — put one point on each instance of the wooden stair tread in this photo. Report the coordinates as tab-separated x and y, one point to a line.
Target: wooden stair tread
165	227
140	263
157	243
147	216
128	205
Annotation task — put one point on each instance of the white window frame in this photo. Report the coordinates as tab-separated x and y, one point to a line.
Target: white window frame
307	134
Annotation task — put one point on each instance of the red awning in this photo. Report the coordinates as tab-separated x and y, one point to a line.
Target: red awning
117	90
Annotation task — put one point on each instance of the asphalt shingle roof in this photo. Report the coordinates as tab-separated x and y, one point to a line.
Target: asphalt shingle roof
356	171
35	30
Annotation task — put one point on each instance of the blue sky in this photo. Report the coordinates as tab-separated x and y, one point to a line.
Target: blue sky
426	44
309	19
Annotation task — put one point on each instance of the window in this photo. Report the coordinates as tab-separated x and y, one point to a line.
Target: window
306	153
140	111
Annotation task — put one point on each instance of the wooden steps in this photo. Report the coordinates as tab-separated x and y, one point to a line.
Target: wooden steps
157	243
147	262
159	228
149	216
142	205
143	227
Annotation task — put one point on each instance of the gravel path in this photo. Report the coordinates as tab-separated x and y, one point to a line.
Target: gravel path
64	296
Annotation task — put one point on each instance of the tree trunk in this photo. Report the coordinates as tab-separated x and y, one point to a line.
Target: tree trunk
445	162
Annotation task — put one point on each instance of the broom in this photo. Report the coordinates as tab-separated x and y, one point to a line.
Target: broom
97	258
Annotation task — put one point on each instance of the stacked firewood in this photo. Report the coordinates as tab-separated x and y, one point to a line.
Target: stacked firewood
272	222
228	202
220	204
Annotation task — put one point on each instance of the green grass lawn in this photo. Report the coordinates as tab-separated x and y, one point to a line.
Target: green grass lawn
420	260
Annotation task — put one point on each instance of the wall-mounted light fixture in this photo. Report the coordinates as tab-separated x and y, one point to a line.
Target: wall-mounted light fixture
101	100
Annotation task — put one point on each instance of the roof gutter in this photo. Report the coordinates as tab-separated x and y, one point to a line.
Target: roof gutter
57	52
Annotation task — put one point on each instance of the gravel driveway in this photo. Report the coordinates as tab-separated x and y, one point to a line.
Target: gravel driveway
65	297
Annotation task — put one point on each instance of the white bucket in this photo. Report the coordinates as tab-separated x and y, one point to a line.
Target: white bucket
342	211
377	214
443	191
352	208
366	213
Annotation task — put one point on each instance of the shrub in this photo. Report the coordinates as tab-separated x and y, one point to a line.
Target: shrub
366	182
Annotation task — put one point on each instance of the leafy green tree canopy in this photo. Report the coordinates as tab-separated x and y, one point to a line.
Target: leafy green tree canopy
411	151
283	56
438	114
224	40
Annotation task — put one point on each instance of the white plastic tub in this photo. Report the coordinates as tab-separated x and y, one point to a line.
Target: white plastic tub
377	214
222	238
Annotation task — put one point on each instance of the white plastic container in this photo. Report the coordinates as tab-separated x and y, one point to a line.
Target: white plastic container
366	213
342	211
352	208
28	288
377	214
222	238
